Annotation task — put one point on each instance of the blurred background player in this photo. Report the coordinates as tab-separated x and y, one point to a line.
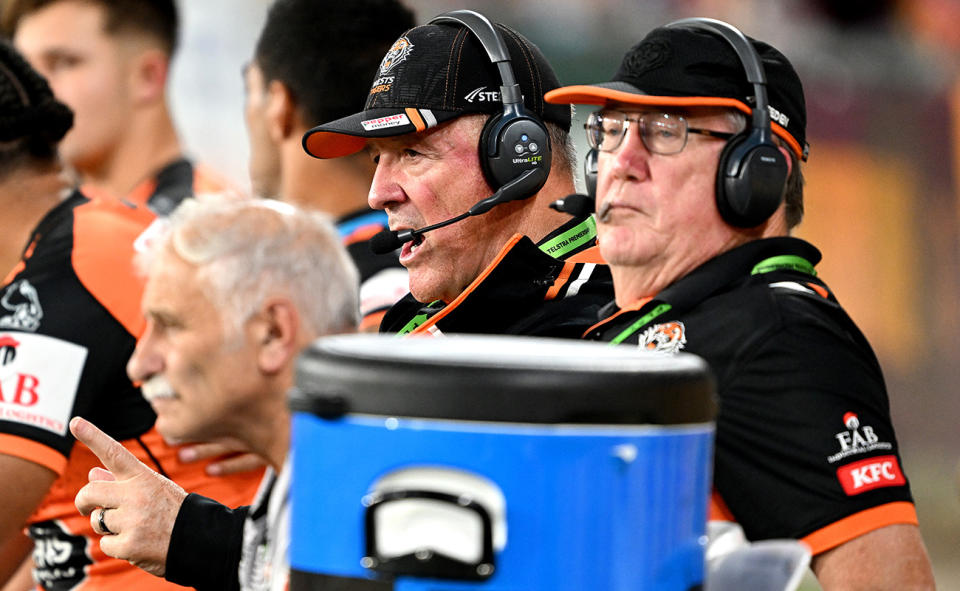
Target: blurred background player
287	88
69	320
295	82
109	61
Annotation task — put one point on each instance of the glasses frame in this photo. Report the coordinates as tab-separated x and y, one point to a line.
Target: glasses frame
639	120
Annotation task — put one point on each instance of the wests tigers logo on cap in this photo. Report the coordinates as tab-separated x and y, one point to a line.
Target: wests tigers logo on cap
398	53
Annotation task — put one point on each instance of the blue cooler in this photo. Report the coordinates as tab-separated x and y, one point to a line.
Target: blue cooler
498	463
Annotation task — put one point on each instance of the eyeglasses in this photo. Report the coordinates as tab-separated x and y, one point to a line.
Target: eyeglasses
662	133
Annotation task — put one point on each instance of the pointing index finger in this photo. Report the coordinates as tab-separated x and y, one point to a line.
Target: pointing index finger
114	456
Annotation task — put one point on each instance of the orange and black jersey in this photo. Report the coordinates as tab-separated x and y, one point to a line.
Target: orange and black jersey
805	447
69	320
552	289
69	313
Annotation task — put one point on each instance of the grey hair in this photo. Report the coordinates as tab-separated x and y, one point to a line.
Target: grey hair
564	152
249	249
793	195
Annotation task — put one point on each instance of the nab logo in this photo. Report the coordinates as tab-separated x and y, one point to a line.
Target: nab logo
8	349
878	472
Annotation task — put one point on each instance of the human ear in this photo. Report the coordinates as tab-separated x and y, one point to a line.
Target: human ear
276	335
150	72
280	111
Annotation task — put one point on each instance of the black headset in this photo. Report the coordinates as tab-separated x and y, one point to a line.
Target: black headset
516	140
752	173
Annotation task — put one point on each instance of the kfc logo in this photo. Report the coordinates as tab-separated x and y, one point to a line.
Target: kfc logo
865	475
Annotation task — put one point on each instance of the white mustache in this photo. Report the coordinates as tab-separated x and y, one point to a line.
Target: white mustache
157	387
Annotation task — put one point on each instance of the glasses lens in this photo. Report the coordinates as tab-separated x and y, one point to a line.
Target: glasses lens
663	133
604	130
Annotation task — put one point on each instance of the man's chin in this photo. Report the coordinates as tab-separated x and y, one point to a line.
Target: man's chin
172	433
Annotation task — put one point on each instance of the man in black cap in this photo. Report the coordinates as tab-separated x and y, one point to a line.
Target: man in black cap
448	129
700	137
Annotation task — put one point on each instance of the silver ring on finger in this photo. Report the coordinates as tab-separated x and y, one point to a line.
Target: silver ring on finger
104	530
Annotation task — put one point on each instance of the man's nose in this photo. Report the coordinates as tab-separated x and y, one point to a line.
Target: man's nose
385	190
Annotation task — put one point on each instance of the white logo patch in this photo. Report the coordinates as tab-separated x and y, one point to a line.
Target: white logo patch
21	299
857	439
39	379
401	49
778	117
482	95
384	122
669	337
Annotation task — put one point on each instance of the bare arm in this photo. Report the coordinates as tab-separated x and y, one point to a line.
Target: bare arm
22	580
892	557
23	486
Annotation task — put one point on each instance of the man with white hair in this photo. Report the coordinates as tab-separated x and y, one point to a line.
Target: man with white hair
235	290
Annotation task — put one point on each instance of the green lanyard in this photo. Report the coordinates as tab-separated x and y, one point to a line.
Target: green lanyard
788	261
777	263
661	309
417	320
571	239
557	248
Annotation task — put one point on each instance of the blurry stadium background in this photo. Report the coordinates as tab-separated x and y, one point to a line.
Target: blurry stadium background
882	80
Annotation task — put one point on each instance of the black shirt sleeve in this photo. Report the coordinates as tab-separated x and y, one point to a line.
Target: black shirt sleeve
802	420
205	545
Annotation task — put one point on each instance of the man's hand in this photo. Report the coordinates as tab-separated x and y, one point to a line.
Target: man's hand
231	455
137	506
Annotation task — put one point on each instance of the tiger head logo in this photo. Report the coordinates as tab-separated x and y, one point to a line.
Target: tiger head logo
399	52
669	337
21	301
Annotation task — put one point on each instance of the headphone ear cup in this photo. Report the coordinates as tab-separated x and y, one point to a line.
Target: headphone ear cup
590	168
751	180
489	128
508	147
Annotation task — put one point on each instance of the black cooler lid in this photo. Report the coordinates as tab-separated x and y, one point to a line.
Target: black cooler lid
501	379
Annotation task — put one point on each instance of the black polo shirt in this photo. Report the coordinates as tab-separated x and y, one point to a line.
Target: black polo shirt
551	289
805	447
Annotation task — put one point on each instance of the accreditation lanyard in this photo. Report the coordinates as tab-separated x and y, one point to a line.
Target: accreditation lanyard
557	247
658	306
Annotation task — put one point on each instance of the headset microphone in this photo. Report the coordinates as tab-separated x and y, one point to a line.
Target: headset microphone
576	204
519	188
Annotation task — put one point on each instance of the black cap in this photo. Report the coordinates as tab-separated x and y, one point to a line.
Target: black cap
28	108
686	67
434	73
